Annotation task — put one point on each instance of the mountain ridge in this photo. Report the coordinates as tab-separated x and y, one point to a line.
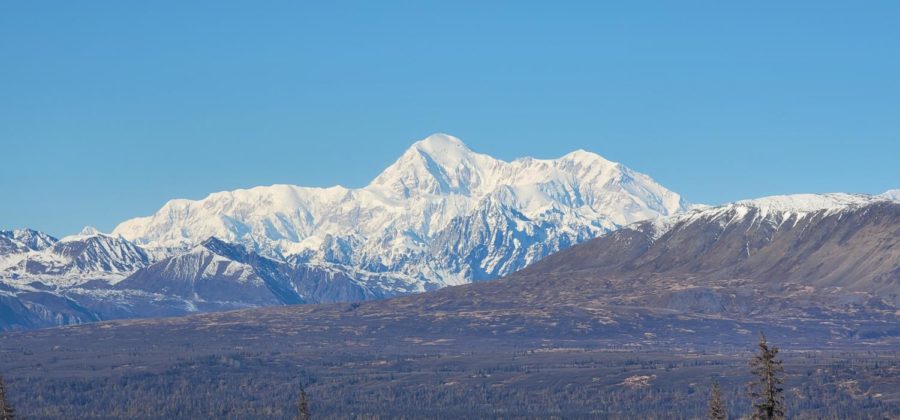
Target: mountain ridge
819	252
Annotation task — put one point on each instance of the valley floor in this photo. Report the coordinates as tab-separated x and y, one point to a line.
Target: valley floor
233	366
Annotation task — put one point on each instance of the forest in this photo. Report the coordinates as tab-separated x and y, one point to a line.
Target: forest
540	383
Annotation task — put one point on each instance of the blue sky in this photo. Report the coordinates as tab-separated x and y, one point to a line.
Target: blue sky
108	109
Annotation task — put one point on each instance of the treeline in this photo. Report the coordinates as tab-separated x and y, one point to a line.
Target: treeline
205	398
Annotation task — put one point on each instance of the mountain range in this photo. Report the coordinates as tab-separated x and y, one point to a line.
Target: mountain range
443	215
631	324
609	296
440	215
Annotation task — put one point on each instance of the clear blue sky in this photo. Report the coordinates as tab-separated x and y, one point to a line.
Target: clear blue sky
108	109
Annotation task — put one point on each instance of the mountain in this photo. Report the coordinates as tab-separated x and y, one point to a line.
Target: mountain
23	240
217	275
76	259
87	278
444	215
47	282
799	255
204	275
631	324
440	215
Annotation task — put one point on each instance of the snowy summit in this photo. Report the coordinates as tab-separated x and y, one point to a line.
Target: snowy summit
441	214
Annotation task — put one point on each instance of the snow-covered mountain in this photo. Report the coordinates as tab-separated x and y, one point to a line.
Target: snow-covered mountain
820	245
892	194
23	240
217	275
440	215
88	255
206	275
772	211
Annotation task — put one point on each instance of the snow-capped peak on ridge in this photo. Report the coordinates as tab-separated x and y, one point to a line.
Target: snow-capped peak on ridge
892	194
443	165
808	202
584	156
441	143
428	216
783	207
85	233
22	240
439	164
776	209
89	230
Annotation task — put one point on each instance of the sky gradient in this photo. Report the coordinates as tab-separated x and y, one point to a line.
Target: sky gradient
108	109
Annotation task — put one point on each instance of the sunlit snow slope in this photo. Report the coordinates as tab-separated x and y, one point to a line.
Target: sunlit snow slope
441	214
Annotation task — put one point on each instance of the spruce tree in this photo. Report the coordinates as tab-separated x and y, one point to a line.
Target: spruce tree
765	389
6	410
303	406
716	408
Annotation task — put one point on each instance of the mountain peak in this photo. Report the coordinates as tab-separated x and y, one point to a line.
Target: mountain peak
439	142
89	231
584	156
221	248
437	164
440	151
25	239
86	232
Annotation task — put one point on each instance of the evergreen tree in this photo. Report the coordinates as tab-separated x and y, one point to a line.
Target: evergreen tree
6	410
303	406
716	408
765	389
